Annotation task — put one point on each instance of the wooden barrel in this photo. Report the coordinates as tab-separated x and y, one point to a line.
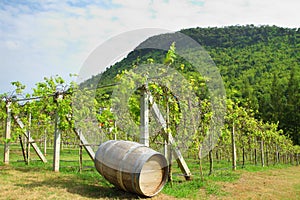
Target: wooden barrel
132	167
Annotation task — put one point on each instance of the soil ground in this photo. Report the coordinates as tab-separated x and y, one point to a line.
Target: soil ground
270	184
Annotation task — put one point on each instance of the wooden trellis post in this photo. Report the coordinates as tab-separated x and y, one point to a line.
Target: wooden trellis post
262	152
45	142
233	148
57	136
144	117
28	136
7	133
167	144
80	157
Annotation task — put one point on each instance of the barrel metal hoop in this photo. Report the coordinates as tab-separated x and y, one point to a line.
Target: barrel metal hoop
120	171
102	153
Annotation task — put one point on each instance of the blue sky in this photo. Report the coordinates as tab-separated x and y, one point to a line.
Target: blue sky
49	37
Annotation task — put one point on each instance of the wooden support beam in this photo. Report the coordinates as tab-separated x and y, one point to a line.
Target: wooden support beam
144	118
7	135
168	137
85	143
23	149
29	139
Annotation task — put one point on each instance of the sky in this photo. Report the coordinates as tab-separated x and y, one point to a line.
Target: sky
55	37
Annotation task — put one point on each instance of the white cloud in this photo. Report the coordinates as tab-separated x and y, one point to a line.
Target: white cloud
272	12
55	37
12	44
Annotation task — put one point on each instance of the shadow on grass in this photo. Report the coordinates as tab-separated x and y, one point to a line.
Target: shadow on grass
95	189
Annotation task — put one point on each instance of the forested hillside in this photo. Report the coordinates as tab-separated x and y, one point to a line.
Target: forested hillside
260	67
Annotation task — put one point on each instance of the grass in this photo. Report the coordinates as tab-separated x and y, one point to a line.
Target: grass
184	189
190	189
39	178
51	185
43	183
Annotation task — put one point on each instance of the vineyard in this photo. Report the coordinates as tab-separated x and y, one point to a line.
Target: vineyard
59	117
255	141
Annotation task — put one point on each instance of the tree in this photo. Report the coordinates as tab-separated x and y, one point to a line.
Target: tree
292	114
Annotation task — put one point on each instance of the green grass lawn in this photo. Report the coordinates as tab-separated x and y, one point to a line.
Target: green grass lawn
69	166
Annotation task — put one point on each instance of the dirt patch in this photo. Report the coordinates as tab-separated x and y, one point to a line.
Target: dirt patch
271	184
162	196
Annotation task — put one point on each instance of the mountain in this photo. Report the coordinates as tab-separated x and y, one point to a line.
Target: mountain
260	67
